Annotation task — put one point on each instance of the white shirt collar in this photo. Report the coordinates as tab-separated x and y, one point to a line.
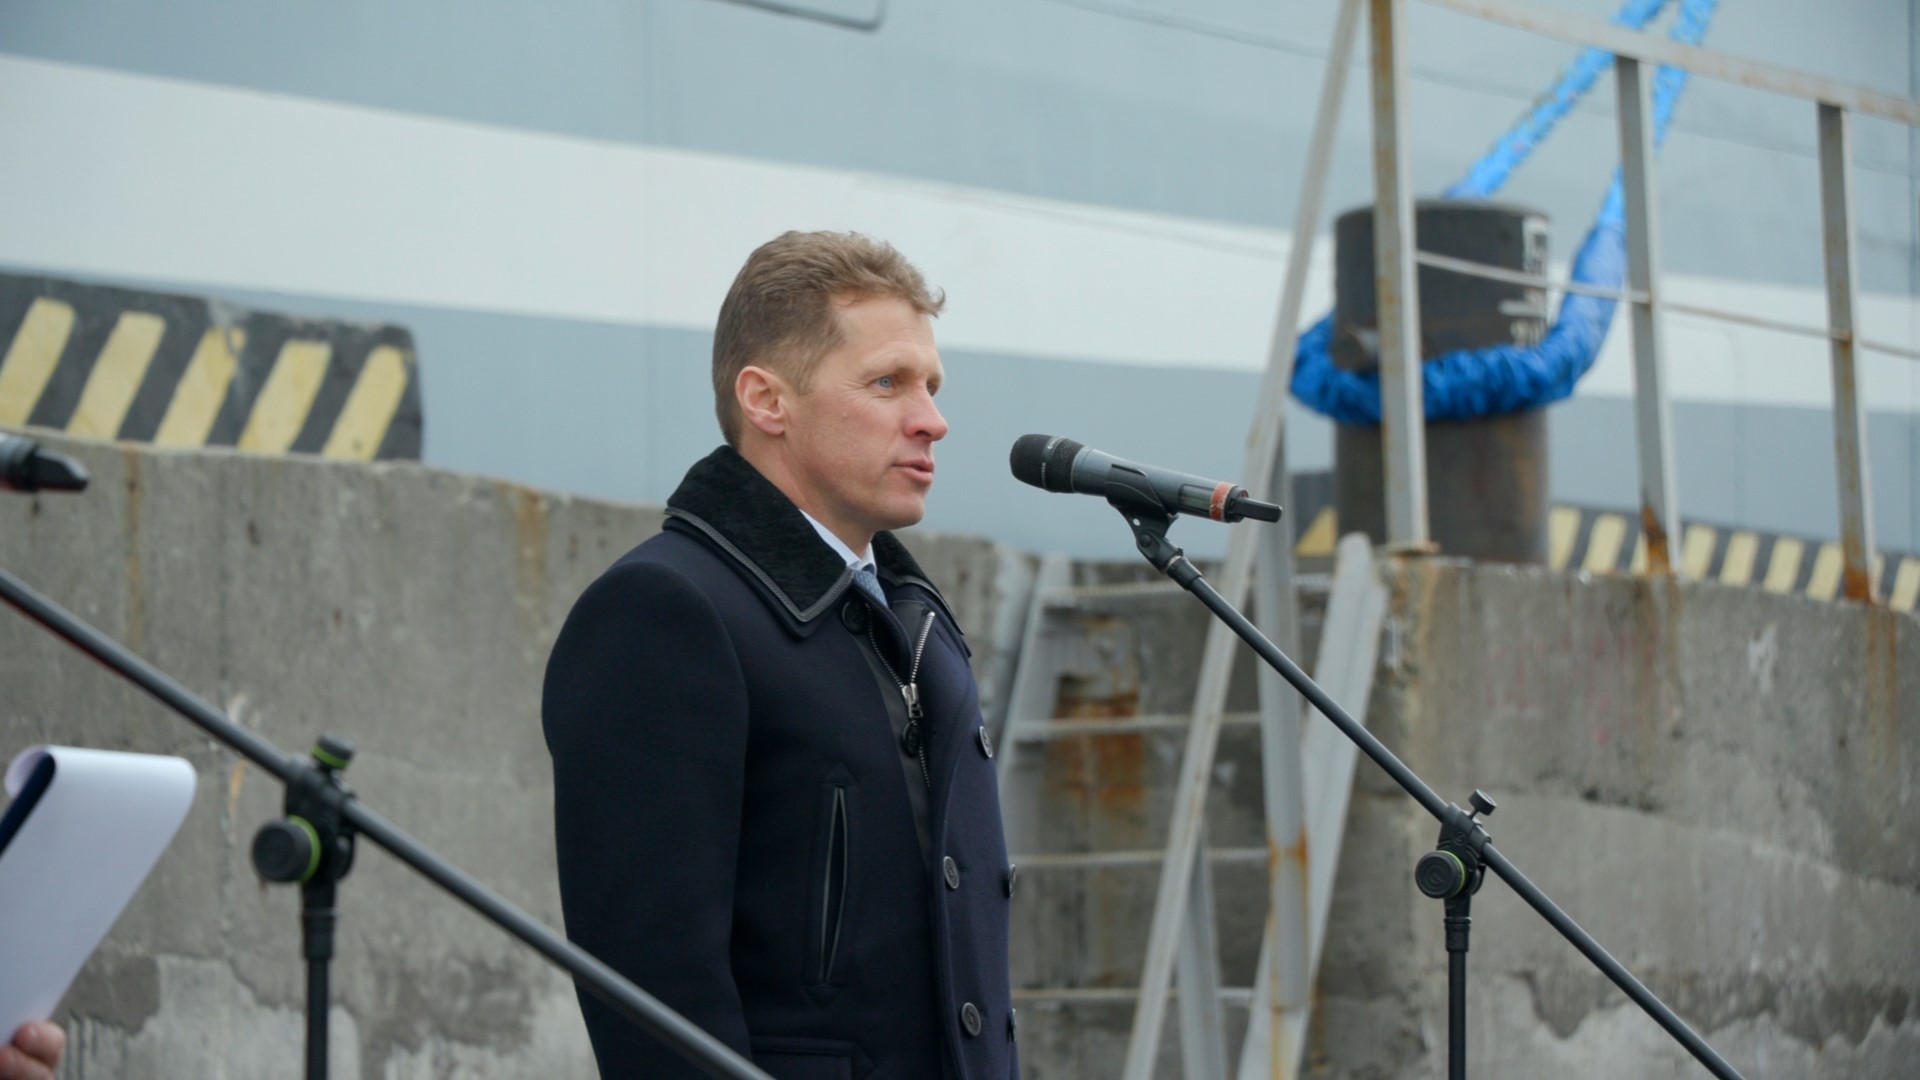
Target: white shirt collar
839	546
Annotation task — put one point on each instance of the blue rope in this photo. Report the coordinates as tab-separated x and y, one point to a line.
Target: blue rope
1490	173
1500	379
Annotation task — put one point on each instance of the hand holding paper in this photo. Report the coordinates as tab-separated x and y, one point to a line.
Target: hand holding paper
35	1053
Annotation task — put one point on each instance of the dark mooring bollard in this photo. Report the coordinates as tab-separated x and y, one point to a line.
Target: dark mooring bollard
1487	477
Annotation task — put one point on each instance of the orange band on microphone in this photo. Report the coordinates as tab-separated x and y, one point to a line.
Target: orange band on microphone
1217	506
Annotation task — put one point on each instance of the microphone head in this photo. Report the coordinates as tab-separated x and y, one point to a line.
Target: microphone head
1045	461
26	466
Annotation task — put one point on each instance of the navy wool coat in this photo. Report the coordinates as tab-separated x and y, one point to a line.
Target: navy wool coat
775	801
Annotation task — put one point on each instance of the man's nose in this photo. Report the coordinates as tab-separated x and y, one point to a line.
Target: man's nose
926	421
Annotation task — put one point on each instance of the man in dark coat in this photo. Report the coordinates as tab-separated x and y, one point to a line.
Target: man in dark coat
774	794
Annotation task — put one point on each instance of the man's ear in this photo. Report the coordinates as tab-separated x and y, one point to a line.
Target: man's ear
762	396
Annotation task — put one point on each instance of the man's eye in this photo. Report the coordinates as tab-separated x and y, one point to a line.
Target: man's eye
884	382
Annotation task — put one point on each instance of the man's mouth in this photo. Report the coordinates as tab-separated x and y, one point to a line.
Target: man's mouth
919	468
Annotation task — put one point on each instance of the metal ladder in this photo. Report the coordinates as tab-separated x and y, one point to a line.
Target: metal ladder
1304	810
1088	758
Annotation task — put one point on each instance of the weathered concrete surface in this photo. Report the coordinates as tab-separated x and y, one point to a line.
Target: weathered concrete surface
409	608
1719	784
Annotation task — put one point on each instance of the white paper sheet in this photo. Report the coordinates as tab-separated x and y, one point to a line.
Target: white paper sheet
75	862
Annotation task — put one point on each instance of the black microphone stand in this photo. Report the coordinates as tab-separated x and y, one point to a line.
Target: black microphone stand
313	845
1454	870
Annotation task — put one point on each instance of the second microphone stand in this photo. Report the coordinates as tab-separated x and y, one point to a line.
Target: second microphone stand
1454	870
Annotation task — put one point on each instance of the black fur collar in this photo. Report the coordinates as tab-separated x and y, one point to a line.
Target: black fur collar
725	498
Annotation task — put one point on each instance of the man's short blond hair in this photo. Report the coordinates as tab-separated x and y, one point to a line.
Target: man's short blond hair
780	313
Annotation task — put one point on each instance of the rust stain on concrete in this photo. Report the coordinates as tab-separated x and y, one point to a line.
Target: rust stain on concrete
234	780
1881	682
530	557
1108	769
136	591
1106	772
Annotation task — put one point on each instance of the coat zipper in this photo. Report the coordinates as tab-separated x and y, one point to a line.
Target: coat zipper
910	690
833	918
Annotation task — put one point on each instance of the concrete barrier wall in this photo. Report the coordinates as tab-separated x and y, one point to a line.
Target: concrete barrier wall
408	608
1718	783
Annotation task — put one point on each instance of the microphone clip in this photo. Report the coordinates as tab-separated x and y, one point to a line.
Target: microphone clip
1130	493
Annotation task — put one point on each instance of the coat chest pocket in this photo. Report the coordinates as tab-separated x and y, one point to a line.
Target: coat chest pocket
828	896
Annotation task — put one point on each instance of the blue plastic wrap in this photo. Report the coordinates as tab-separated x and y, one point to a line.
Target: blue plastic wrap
1509	378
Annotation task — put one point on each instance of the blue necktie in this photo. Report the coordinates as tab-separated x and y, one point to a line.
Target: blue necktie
863	577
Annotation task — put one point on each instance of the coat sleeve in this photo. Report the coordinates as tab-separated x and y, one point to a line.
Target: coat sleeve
645	713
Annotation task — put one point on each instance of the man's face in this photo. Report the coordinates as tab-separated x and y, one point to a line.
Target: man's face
860	440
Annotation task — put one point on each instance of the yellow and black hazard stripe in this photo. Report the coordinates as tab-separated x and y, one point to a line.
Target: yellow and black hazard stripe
1607	542
174	370
1600	541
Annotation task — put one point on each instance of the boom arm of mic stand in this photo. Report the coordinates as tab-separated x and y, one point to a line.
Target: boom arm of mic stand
690	1041
1150	526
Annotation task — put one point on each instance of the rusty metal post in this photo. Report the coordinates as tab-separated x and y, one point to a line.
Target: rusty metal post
1282	999
1849	407
1266	476
1283	985
1402	405
1659	500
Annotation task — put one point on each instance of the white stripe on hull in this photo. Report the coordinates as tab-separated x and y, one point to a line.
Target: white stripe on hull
210	187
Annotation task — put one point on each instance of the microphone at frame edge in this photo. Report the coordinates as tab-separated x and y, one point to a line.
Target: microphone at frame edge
1053	463
27	466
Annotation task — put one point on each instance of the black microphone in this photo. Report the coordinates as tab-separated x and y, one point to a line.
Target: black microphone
26	466
1057	464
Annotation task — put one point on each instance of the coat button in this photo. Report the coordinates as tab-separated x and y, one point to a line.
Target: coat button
910	739
970	1019
1013	872
853	615
986	742
952	870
